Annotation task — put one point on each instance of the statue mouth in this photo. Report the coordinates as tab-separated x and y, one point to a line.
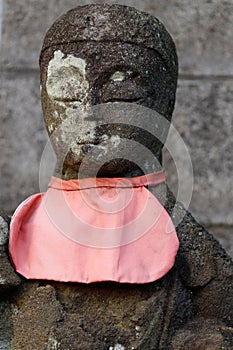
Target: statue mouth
90	143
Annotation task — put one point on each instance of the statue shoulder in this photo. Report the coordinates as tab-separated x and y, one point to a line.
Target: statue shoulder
8	277
201	257
207	270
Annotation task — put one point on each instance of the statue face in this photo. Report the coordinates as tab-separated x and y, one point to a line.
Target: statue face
81	75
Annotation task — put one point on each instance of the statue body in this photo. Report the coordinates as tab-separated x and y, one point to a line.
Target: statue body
96	55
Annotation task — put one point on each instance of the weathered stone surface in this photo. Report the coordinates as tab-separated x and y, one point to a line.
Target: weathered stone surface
203	117
6	332
8	278
22	137
207	25
224	234
127	315
107	23
59	311
33	317
147	54
4	232
210	336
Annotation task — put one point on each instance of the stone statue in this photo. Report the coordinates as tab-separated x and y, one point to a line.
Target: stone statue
98	54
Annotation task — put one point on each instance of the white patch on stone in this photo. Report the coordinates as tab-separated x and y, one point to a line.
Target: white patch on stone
2	281
137	329
59	61
103	148
66	78
76	148
115	140
117	347
55	115
104	137
77	129
68	88
106	144
79	126
118	76
53	344
50	128
5	345
121	76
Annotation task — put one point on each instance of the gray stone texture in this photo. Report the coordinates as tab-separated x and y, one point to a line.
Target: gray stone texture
22	137
204	118
8	278
202	31
5	325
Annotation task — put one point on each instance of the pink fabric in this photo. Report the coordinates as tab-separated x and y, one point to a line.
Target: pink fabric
89	230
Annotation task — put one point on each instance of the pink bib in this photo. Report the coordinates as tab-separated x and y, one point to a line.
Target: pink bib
97	229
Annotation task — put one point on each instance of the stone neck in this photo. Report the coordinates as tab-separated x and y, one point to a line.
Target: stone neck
70	173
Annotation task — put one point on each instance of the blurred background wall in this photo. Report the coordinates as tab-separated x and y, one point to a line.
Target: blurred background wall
203	33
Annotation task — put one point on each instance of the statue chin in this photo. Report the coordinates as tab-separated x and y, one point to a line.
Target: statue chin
120	168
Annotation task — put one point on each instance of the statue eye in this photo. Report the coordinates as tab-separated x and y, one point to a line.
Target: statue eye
67	84
121	76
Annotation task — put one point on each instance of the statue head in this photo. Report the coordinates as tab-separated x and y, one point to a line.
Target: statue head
104	54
